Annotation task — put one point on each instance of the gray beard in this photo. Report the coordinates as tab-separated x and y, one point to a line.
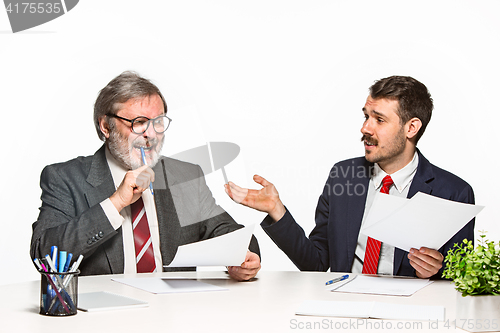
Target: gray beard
121	149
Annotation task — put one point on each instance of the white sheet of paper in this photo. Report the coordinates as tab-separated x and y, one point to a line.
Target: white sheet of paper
407	312
380	285
103	300
423	220
335	309
379	211
378	310
227	250
168	285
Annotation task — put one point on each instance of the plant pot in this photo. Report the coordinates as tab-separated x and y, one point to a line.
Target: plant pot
478	313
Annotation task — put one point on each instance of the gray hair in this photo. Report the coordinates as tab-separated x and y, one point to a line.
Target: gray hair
127	85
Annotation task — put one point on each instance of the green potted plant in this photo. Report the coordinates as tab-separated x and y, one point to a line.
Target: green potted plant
476	274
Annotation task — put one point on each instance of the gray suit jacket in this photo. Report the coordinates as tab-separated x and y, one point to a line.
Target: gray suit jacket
72	218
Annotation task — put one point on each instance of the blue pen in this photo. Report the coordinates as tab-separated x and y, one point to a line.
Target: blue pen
342	278
68	261
62	260
144	162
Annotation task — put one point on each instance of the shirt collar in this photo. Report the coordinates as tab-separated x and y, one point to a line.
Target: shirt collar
402	178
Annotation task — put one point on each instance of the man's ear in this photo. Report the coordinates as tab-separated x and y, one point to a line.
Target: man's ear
104	126
412	127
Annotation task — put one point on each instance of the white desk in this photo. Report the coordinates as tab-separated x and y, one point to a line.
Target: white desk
265	305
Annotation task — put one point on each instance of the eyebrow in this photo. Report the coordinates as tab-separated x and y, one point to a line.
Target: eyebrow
380	114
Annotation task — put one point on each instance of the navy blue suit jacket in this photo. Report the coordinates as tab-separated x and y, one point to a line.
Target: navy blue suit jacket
339	214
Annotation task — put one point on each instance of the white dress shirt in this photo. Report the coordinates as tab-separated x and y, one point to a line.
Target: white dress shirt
402	180
123	219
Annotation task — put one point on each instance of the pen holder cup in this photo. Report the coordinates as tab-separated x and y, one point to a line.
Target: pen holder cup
59	293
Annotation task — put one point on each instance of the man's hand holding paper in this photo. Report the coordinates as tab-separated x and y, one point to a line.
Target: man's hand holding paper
405	223
427	262
226	250
247	270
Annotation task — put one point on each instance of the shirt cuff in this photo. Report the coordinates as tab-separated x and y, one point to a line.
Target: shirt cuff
112	214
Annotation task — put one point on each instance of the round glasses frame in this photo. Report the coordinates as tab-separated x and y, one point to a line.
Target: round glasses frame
141	124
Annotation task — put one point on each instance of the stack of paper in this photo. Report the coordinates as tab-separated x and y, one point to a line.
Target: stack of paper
405	223
226	250
168	285
382	285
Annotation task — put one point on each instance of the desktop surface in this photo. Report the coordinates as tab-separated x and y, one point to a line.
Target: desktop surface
267	304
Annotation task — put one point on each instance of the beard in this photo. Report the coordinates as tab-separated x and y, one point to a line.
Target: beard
122	149
388	151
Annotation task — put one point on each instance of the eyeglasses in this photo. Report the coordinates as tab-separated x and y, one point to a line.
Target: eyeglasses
141	124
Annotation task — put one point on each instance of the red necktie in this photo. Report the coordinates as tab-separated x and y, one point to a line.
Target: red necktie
145	259
372	252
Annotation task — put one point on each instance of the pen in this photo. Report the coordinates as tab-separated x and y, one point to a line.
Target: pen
144	162
341	278
37	263
53	255
73	269
63	255
68	261
54	270
51	264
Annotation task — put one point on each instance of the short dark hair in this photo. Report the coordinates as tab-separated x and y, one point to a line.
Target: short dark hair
414	99
127	85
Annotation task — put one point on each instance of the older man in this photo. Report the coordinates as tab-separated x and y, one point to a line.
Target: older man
396	114
103	206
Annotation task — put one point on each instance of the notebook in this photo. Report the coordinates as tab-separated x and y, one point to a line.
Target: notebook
102	300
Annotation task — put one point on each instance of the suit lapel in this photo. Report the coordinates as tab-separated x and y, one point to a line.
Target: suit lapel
102	188
100	178
420	183
355	210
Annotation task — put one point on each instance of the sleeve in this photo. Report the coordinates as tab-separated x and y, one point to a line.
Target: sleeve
66	220
467	232
308	254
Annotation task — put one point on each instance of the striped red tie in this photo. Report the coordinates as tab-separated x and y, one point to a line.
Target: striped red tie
372	252
145	259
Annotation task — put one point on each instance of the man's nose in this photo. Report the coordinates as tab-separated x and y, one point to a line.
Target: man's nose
367	128
150	131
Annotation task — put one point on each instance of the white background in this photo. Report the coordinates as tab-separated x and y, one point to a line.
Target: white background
285	80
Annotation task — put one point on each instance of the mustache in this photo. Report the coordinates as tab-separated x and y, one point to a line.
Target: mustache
141	142
369	139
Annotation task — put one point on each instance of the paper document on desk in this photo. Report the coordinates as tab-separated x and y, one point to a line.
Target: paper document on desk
102	300
226	250
423	220
168	285
377	310
383	285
